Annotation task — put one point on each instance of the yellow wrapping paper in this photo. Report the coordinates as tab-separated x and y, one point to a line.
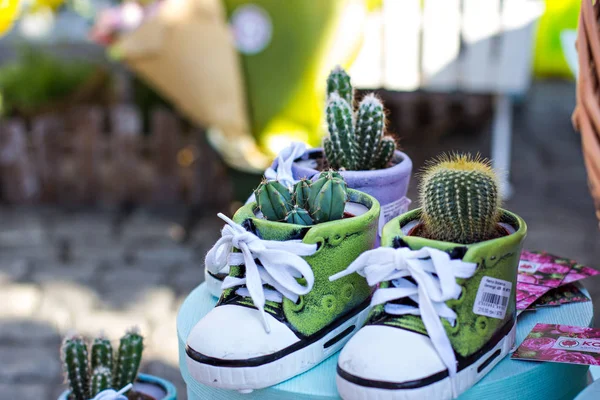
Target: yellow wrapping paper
186	52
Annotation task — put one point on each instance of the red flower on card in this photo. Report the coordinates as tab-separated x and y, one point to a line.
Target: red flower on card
571	357
554	269
537	344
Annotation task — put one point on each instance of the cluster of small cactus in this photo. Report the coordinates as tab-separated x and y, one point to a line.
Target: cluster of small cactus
355	142
460	200
107	372
308	203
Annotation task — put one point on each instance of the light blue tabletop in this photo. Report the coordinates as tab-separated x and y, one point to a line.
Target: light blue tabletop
510	379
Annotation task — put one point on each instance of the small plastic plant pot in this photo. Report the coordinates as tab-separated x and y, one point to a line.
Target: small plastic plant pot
387	185
149	385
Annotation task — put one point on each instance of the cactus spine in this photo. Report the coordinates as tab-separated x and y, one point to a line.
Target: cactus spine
128	360
359	146
328	197
299	216
74	355
274	200
102	354
459	196
101	380
338	82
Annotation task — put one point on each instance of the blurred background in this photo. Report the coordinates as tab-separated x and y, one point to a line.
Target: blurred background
126	126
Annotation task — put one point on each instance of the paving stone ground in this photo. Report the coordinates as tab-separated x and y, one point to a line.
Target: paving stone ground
66	270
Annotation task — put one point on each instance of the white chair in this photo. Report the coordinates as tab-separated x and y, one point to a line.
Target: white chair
475	46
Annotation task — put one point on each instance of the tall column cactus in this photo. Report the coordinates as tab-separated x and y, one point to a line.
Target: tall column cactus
128	359
101	380
359	145
102	353
459	197
74	355
338	82
341	142
375	150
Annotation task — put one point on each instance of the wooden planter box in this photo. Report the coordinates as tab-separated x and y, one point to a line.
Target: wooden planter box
91	155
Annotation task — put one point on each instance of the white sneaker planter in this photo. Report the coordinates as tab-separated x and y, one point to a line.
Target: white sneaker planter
280	316
430	335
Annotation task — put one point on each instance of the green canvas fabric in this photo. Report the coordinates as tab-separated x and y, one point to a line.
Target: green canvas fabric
496	258
340	242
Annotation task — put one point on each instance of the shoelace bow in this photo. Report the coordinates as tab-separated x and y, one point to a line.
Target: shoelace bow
435	275
281	265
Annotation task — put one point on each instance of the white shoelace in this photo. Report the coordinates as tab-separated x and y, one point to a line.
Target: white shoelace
111	394
435	275
281	265
283	173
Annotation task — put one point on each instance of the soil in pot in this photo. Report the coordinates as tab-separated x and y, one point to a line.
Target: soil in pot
132	395
419	230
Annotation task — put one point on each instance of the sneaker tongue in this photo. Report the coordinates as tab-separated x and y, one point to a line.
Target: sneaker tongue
271	307
408	322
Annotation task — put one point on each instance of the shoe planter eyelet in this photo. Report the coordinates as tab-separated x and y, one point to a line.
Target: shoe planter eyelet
348	291
336	239
461	298
329	304
452	328
481	325
298	305
320	242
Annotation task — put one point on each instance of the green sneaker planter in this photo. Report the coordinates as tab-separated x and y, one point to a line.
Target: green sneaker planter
282	317
444	312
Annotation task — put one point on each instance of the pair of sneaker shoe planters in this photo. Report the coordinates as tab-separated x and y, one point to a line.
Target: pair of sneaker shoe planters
441	314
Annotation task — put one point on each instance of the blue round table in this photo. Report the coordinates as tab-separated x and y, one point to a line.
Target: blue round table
510	379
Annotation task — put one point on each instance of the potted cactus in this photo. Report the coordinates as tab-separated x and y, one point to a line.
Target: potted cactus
281	251
445	303
98	372
306	203
358	147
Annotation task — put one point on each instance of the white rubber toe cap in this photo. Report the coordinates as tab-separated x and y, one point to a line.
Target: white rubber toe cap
233	332
388	354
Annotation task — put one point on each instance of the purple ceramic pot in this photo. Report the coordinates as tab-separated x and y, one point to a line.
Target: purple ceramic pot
388	186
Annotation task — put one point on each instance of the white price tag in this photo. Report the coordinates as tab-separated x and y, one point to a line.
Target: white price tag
492	298
392	210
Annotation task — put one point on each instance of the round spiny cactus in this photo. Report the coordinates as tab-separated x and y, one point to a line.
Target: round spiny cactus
301	192
74	356
338	82
328	197
459	198
299	216
274	200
